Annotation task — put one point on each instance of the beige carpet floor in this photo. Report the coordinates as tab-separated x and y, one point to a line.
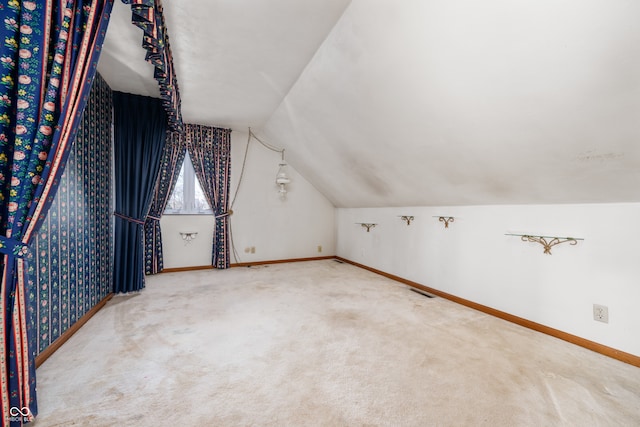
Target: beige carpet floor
320	344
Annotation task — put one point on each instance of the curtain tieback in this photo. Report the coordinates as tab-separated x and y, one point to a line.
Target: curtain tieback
13	247
222	215
128	218
155	218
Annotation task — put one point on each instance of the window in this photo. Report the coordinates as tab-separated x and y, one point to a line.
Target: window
187	197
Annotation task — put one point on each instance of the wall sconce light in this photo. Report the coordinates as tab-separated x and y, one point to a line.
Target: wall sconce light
188	236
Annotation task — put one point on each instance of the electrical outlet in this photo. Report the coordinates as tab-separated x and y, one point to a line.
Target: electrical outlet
601	313
319	248
247	250
253	249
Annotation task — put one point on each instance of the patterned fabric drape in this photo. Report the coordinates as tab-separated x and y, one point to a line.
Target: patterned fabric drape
172	158
148	16
140	127
210	152
47	60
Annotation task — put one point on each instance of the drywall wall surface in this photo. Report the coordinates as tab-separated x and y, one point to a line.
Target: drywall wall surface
263	226
278	229
177	252
474	259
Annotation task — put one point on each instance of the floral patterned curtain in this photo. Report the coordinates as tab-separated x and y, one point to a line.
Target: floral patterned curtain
47	62
172	158
210	152
148	16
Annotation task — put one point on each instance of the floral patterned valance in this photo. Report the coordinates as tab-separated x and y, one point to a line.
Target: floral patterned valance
148	16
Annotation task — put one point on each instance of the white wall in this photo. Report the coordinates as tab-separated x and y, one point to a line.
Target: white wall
473	259
178	253
293	228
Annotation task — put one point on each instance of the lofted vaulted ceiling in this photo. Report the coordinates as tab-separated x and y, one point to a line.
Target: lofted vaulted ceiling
235	59
415	102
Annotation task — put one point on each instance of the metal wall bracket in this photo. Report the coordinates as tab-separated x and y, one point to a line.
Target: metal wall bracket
445	219
547	242
407	218
188	236
367	225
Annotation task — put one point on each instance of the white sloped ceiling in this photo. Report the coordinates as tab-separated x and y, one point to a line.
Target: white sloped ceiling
466	102
430	102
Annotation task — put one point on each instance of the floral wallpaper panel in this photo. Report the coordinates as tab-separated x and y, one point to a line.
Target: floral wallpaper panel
73	251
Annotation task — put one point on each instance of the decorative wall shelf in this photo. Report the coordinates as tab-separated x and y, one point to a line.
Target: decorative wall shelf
367	225
188	236
445	219
407	218
547	242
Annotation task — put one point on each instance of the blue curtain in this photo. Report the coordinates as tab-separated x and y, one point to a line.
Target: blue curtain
210	152
172	158
49	54
140	126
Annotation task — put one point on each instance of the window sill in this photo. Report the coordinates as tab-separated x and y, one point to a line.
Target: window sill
188	213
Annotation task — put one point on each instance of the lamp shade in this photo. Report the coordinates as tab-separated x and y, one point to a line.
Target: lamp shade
282	177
